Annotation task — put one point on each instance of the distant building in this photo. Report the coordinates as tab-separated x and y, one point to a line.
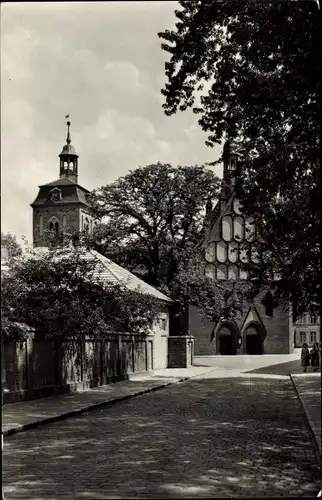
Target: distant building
61	206
307	330
231	240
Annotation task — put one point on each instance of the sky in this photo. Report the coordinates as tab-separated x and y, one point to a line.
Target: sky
102	63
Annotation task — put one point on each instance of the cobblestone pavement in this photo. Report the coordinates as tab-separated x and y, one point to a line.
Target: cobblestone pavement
17	416
231	437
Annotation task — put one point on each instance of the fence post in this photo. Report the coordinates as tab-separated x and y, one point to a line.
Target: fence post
133	353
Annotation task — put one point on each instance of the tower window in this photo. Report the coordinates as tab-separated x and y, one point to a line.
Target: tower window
86	226
41	225
268	302
231	166
53	225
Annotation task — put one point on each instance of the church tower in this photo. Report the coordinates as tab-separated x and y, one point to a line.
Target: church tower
62	205
231	240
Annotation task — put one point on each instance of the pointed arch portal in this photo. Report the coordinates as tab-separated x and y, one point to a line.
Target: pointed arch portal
226	339
253	339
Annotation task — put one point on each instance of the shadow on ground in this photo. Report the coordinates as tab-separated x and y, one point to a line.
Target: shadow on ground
204	438
293	367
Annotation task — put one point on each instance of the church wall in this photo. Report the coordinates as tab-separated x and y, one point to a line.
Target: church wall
279	331
72	221
201	331
278	340
83	215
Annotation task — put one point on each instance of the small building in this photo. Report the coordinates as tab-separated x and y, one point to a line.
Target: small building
307	329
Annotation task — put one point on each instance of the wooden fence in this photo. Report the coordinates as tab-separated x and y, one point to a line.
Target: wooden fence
41	367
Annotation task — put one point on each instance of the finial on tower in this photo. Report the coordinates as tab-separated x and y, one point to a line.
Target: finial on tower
68	140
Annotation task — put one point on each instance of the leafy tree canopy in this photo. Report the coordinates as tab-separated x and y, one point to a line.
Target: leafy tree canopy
154	221
9	241
60	293
152	215
251	73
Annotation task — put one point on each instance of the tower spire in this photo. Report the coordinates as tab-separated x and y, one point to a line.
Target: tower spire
69	158
68	140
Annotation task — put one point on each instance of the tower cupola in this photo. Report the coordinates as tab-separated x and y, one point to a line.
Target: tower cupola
68	159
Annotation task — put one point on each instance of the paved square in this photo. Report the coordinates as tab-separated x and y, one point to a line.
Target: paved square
211	437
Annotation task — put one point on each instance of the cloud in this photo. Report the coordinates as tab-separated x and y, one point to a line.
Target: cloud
102	63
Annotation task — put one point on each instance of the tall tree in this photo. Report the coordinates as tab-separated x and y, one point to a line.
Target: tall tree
60	293
251	72
153	216
154	219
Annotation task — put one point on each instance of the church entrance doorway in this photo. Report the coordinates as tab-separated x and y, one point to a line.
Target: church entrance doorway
226	341
253	340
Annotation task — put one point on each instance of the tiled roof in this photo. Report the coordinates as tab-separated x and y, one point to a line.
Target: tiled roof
109	272
64	181
74	193
113	273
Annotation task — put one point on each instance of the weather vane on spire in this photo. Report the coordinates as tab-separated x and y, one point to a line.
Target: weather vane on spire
68	140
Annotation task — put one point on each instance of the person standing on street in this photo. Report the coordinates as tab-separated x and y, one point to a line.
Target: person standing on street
305	357
315	357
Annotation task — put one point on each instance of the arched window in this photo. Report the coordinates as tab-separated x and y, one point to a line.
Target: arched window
237	207
238	228
41	225
222	251
268	302
227	228
221	272
53	224
71	165
210	271
233	251
232	272
250	228
65	165
210	252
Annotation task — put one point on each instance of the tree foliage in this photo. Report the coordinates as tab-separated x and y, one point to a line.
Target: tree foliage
154	223
60	293
154	214
9	241
251	72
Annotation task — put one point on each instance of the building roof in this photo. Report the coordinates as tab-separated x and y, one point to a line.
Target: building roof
63	181
110	272
68	150
75	195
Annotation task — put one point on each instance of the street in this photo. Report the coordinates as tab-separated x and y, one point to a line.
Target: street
208	437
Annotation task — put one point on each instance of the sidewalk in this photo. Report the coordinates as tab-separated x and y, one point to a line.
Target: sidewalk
17	417
308	388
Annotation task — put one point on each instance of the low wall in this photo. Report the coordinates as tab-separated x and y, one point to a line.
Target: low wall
180	351
41	367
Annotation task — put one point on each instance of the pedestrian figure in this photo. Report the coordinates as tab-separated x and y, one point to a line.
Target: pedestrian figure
315	356
305	357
